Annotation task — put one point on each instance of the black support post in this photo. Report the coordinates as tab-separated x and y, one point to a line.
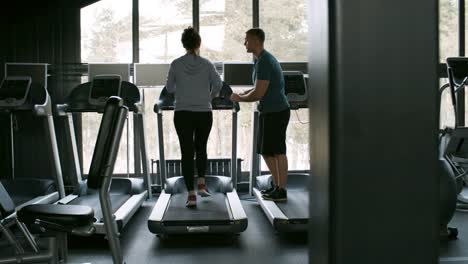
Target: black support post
136	31
196	14
256	13
461	49
374	189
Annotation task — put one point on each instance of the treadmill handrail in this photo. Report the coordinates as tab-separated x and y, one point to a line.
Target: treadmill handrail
159	107
44	109
236	220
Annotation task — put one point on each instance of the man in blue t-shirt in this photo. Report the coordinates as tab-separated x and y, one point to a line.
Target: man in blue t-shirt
274	112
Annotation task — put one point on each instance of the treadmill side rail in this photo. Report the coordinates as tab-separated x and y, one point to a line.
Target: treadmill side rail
67	199
156	217
237	210
280	222
238	213
270	208
129	208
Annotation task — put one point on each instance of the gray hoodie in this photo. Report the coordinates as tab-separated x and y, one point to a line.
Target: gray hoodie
194	80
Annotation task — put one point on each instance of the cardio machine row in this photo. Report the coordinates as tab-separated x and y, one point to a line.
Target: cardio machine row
229	215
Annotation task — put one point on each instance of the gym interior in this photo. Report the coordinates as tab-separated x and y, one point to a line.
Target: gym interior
90	164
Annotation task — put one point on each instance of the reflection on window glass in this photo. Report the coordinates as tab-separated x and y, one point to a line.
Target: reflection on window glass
106	36
106	31
91	123
222	28
219	142
447	114
244	133
106	28
448	29
285	26
161	26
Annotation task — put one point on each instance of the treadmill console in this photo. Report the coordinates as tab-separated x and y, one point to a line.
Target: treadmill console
103	87
14	90
166	100
295	86
223	101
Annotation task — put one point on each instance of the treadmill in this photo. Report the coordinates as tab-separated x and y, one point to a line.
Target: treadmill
293	215
126	194
19	94
222	212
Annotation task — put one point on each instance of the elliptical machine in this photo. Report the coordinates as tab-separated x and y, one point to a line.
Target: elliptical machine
453	152
449	187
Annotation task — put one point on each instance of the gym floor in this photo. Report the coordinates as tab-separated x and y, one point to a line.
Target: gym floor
258	244
456	251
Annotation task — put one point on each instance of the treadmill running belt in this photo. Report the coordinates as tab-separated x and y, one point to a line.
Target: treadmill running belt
92	200
297	206
209	210
23	190
19	200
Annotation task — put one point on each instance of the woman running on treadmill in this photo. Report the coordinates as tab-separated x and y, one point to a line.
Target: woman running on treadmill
194	81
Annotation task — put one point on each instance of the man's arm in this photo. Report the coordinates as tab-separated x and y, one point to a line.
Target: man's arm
247	91
256	93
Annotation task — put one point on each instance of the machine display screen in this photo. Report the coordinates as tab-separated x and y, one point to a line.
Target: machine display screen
14	88
103	87
294	84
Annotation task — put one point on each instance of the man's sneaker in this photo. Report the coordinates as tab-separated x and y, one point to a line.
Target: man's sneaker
278	195
191	201
269	190
203	191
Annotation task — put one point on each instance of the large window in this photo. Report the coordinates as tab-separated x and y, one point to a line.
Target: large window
219	144
447	114
448	46
448	29
285	25
244	132
222	27
106	36
106	31
161	26
91	122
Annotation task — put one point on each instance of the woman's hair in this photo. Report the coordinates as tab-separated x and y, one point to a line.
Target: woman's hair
191	39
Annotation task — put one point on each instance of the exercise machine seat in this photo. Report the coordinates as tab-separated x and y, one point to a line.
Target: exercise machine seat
69	216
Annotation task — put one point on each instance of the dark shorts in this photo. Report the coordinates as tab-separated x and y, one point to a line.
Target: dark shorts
271	137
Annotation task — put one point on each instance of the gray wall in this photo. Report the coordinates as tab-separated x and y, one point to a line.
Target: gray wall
41	32
373	131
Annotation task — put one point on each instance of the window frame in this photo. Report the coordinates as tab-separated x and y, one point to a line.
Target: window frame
136	41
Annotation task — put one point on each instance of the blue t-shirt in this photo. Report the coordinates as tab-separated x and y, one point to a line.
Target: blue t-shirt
268	68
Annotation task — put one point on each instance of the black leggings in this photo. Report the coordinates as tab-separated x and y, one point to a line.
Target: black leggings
193	129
